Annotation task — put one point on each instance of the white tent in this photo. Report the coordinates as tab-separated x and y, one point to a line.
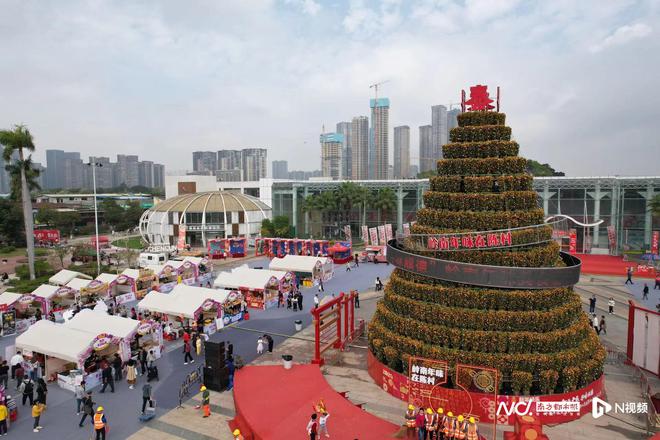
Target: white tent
45	291
55	340
131	273
300	263
77	284
97	323
64	276
107	277
245	277
183	300
9	298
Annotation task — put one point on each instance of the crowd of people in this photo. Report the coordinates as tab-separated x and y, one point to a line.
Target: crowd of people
430	424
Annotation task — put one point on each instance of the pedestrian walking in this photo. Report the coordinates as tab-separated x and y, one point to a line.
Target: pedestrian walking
4	374
4	413
151	358
187	356
37	409
88	409
280	299
300	301
206	401
357	299
313	427
27	390
321	289
117	365
357	260
131	374
348	266
270	342
592	303
595	322
294	301
323	424
629	272
100	423
198	346
379	284
260	345
20	375
16	361
657	281
288	300
645	291
106	376
316	301
80	396
610	305
142	356
42	391
146	395
602	325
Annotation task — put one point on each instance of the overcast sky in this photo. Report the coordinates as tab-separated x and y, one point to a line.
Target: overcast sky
579	79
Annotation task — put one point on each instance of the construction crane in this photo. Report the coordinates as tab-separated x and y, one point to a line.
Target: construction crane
375	87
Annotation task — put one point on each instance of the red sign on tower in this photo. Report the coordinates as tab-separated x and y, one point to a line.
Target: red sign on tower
479	99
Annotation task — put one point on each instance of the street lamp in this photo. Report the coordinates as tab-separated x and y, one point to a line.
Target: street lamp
94	165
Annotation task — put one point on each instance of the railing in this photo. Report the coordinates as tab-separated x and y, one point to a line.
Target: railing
191	379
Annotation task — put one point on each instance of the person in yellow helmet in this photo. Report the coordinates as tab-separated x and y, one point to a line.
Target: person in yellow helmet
206	401
472	430
410	419
237	434
448	427
440	434
459	428
431	422
100	424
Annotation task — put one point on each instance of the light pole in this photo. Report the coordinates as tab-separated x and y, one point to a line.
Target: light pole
96	216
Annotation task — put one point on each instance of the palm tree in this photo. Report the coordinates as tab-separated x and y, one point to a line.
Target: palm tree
384	201
654	205
31	174
20	140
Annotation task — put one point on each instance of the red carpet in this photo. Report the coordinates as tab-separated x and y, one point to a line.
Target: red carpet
273	403
611	265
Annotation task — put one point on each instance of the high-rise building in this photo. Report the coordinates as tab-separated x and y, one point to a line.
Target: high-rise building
255	163
332	145
439	131
63	170
280	169
229	159
159	175
452	120
205	161
228	175
5	178
401	165
146	173
414	170
380	115
359	141
104	173
304	175
126	170
426	155
344	128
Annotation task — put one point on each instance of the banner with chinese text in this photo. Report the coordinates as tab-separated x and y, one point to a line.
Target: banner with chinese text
181	243
388	232
572	241
655	238
347	233
373	234
365	234
381	235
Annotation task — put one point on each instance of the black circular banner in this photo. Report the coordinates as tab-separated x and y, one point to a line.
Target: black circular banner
504	277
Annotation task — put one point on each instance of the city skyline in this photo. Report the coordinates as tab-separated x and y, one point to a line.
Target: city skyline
167	78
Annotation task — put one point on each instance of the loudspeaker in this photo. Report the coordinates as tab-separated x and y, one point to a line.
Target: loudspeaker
214	348
216	379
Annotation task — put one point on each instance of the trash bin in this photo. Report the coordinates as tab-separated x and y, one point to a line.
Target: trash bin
298	323
287	359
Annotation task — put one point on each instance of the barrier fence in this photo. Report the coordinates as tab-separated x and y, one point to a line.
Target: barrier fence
194	377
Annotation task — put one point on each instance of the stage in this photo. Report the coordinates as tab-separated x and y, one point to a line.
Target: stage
273	403
611	265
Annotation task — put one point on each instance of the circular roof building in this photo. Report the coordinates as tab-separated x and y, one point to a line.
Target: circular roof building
206	215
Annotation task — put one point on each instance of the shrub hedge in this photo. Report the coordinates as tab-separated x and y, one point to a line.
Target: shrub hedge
503	201
453	295
521	381
481	118
457	150
479	221
485	341
480	133
493	165
481	184
506	363
490	320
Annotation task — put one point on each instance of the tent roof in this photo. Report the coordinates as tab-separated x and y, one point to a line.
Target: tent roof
244	276
45	291
97	323
131	273
77	284
297	263
107	277
9	298
64	276
57	340
182	300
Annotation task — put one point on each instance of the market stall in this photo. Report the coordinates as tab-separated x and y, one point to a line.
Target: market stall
8	303
64	276
87	293
308	269
140	280
167	275
217	248
203	269
52	299
279	247
259	287
341	252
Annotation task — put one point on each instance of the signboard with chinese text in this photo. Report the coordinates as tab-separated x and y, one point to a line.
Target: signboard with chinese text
365	234
373	234
467	241
388	232
181	242
611	237
655	238
572	241
424	375
381	234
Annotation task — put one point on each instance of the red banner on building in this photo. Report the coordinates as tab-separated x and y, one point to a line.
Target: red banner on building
655	238
572	241
611	237
181	243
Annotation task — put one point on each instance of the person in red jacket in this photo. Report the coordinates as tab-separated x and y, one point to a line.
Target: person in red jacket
420	424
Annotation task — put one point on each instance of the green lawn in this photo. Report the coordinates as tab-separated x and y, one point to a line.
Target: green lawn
131	243
21	252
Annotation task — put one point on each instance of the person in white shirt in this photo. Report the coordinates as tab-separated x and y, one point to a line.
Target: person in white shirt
323	424
260	346
15	361
316	300
610	304
595	323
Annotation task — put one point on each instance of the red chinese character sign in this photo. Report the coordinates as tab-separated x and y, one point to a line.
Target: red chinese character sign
424	375
479	99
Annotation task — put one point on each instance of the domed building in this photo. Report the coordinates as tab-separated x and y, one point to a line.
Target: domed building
206	215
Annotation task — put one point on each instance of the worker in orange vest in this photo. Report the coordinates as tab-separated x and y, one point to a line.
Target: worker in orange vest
472	430
237	435
431	422
440	433
410	419
448	427
100	423
459	428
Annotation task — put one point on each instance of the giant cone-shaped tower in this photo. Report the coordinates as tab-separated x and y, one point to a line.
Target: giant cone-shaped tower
539	339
